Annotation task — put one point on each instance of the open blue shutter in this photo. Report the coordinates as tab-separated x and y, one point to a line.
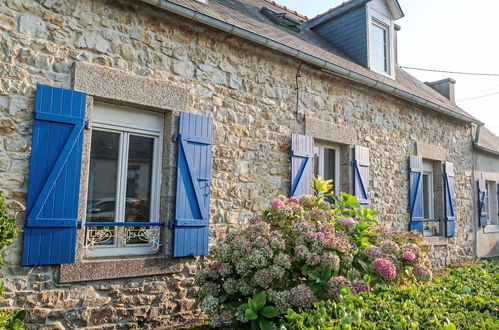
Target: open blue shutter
54	177
482	210
192	206
302	155
450	227
416	193
361	175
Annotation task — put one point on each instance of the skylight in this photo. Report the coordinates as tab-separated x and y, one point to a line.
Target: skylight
283	19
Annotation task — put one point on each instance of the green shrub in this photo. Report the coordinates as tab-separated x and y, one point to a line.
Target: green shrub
8	233
464	299
301	251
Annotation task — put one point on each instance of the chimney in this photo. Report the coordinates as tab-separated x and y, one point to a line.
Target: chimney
444	87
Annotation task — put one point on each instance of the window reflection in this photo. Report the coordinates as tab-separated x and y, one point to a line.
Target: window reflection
103	175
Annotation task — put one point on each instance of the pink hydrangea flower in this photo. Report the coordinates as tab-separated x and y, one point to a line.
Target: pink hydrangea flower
348	222
358	286
293	200
408	255
373	252
335	284
385	268
277	204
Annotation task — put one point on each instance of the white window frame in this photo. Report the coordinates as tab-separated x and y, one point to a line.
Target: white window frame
490	196
138	123
375	18
428	170
336	179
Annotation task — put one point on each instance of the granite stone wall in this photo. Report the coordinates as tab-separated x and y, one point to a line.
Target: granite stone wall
251	94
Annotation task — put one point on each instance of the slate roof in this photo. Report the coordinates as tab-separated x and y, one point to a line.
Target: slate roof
488	140
246	14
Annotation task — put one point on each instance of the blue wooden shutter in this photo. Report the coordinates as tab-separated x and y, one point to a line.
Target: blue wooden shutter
482	211
192	206
302	155
54	177
416	193
361	175
450	227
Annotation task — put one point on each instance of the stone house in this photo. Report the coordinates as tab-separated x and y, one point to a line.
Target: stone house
138	132
486	168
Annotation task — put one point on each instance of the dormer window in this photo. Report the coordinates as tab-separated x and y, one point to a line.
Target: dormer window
380	47
364	31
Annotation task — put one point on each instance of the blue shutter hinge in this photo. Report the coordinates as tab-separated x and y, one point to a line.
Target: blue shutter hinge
172	224
176	137
87	125
79	224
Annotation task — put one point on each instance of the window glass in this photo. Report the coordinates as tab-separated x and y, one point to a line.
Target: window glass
316	160
427	196
488	203
104	158
330	164
139	175
379	49
326	165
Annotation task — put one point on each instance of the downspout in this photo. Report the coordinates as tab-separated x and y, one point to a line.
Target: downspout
474	162
311	59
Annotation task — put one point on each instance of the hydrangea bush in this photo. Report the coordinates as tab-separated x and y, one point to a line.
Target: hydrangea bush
302	251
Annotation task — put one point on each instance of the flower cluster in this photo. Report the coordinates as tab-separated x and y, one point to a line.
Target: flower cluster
301	296
298	251
348	223
385	268
335	284
422	273
395	255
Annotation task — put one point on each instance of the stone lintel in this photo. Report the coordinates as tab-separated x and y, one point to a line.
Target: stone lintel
100	269
430	151
323	130
488	176
120	87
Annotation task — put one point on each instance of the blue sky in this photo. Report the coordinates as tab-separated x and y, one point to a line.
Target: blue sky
453	35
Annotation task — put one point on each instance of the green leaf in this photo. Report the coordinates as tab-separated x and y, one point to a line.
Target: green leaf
260	300
252	304
250	314
270	312
243	307
21	315
265	324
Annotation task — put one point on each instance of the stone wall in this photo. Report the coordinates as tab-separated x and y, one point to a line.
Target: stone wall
251	94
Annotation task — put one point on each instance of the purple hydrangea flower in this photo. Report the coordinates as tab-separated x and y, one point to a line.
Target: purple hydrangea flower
409	255
422	273
348	222
358	286
385	268
373	252
263	279
301	296
389	247
335	284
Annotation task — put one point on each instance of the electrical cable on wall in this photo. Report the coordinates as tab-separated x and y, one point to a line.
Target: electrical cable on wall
297	114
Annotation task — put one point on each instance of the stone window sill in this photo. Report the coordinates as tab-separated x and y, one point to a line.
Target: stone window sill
491	229
104	269
437	240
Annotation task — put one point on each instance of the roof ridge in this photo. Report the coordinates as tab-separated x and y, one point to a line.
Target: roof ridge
332	9
294	12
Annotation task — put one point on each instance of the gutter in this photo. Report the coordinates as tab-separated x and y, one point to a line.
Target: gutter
308	58
479	147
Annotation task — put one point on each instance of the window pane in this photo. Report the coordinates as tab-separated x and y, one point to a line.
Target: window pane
103	176
316	161
330	164
139	175
379	48
426	196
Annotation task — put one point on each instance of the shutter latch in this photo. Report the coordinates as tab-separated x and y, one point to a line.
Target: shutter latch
87	125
